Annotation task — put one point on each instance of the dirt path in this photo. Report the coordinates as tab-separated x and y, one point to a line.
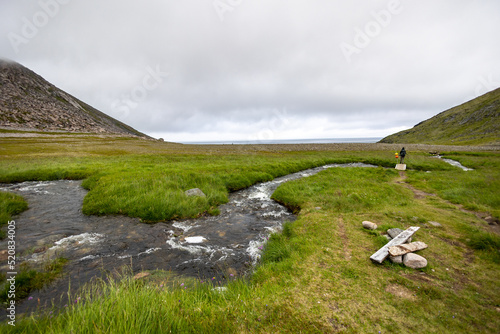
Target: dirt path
419	194
344	238
493	223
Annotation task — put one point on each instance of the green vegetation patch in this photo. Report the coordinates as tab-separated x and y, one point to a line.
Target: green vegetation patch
315	276
476	190
124	305
353	190
28	280
153	196
332	280
123	175
10	204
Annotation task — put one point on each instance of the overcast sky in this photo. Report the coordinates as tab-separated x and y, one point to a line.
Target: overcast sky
205	70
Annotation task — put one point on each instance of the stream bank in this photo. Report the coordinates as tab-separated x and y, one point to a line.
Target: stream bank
206	247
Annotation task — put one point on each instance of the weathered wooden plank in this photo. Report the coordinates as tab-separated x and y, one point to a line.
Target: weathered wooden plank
401	166
407	248
383	252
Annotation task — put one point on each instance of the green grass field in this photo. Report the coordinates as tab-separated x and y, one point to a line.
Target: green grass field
315	276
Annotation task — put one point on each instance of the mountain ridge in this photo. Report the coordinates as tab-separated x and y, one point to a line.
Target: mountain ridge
476	122
28	102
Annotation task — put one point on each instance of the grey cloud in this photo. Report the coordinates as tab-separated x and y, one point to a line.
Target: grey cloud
231	76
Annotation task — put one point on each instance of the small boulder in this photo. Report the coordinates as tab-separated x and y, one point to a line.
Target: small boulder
435	224
491	221
195	192
414	261
394	232
396	259
369	225
407	248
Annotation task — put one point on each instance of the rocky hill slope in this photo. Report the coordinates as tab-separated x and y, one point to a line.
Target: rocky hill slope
476	122
29	102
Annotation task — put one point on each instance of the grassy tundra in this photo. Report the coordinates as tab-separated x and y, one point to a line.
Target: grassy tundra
315	276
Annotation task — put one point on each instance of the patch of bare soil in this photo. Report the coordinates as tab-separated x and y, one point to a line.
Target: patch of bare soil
419	194
344	238
419	277
493	223
400	291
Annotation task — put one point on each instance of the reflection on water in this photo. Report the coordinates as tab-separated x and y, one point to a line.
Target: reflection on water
205	247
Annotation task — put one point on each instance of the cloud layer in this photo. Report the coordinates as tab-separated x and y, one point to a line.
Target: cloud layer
239	69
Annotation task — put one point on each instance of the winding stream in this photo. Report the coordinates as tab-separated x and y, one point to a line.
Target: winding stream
206	247
454	163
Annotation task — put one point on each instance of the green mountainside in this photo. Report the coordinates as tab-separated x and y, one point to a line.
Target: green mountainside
476	122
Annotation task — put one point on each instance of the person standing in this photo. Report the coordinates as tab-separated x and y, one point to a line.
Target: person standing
402	155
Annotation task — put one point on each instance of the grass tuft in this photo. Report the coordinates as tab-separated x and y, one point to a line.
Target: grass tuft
28	279
10	204
484	241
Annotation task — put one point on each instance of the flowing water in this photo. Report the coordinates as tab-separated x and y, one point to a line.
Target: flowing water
206	247
455	163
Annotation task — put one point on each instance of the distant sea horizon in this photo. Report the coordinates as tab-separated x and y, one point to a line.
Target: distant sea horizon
288	141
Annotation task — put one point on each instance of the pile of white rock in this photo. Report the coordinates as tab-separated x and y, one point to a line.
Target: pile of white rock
405	253
399	249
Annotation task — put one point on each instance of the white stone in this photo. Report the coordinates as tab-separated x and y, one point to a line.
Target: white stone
195	192
414	261
396	259
369	225
407	248
380	255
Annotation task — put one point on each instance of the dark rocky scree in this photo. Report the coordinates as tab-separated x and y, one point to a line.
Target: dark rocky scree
29	102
